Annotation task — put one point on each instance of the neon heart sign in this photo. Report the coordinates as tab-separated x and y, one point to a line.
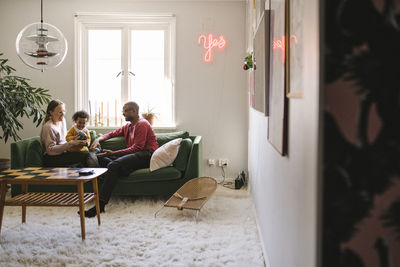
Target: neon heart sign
209	44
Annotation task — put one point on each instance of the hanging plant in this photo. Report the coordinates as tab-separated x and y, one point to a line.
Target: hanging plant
248	62
18	99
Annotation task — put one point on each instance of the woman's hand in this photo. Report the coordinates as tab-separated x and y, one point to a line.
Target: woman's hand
77	142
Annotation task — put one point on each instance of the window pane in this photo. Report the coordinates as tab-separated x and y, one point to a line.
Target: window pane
150	87
104	88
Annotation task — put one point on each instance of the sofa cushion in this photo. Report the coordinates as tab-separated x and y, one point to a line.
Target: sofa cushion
163	138
115	143
182	158
92	136
34	154
165	155
144	175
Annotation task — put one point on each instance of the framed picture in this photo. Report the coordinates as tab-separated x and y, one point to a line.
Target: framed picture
294	49
251	86
277	123
261	61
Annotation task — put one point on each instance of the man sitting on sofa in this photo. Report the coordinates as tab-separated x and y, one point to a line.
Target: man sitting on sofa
140	144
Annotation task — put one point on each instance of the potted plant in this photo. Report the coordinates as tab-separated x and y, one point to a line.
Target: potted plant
149	115
248	62
18	99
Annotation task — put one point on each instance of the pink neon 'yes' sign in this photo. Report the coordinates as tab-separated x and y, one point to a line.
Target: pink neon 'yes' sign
210	43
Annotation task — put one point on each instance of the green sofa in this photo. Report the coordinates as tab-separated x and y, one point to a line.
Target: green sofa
163	182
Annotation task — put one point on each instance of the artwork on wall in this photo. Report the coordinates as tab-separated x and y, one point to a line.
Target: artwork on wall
277	123
251	86
294	49
261	61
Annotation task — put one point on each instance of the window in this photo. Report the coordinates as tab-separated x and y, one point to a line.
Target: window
122	57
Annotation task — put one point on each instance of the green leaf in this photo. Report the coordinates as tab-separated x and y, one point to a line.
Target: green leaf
18	99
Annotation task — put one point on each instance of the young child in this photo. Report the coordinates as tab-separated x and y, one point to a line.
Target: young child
79	129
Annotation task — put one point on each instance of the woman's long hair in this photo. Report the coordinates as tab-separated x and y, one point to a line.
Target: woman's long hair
50	107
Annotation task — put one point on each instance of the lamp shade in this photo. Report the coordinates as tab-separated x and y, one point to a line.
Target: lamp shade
41	46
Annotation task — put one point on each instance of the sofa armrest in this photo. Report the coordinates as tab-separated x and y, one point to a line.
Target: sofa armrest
193	169
19	150
17	156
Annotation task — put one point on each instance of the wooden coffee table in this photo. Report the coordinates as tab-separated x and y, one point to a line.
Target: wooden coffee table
50	176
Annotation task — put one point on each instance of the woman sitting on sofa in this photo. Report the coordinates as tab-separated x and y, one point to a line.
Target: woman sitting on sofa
53	135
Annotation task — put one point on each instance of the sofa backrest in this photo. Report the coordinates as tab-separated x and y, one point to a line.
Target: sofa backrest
115	143
163	138
29	152
185	146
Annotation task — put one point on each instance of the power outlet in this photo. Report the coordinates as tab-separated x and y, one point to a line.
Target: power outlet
211	162
223	162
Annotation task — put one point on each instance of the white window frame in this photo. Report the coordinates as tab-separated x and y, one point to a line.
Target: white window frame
88	20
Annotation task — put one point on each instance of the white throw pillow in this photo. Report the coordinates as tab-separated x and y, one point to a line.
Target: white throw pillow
165	154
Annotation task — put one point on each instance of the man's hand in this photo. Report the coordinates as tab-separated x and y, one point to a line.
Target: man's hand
96	143
105	153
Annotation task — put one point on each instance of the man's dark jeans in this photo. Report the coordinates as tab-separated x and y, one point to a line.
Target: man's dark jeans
121	166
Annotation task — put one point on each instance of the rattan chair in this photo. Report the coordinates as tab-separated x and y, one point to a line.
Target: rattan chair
192	195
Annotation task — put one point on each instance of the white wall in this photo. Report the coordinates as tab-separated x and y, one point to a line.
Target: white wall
284	189
210	98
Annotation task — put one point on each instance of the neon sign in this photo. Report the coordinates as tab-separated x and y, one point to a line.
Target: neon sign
209	44
280	44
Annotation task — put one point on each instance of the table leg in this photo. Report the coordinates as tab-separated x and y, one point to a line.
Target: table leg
81	208
96	193
2	201
24	190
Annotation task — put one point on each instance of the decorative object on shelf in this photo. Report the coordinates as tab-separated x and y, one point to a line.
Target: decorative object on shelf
149	115
248	62
18	99
41	45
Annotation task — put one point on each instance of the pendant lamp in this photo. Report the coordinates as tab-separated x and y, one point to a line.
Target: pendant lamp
41	45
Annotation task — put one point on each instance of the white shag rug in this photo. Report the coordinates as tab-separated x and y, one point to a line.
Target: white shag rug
129	235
